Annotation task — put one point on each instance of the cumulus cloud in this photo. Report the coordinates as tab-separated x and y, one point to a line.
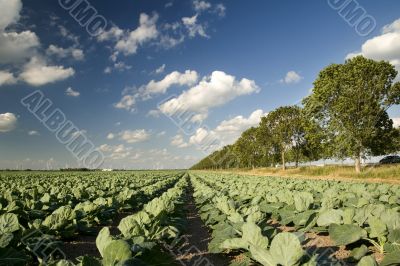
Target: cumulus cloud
226	133
38	73
145	92
127	42
114	33
15	47
127	103
7	78
110	136
66	34
188	78
385	46
291	78
117	152
220	9
215	90
200	5
162	133
72	93
179	142
8	122
154	113
160	70
134	136
10	12
194	27
70	52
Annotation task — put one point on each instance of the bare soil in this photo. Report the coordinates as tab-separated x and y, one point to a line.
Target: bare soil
83	245
194	250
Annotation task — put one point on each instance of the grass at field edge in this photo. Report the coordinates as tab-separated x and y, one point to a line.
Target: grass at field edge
374	174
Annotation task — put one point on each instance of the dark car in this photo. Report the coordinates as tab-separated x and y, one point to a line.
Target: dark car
390	159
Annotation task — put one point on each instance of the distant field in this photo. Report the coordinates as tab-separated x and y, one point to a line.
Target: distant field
385	173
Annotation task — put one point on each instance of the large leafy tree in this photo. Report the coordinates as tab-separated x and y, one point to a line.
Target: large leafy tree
282	130
247	149
349	101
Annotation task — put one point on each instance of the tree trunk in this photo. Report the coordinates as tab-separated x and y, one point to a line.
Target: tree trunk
358	164
283	161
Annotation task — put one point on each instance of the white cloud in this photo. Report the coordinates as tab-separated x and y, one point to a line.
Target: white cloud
8	122
154	113
121	66
291	78
7	78
167	41
9	12
193	27
15	47
162	133
110	136
115	33
187	78
60	52
72	93
146	31
383	47
200	5
64	32
179	142
161	69
107	70
396	122
226	133
134	136
220	9
215	90
230	130
33	133
37	73
117	152
127	103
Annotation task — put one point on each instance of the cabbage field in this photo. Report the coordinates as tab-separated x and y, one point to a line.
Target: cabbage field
138	218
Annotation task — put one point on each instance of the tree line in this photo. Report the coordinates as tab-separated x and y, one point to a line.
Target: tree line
345	116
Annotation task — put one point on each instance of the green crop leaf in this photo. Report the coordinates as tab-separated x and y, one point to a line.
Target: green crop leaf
234	243
9	223
391	259
359	252
252	235
103	240
346	234
261	255
330	216
89	261
286	249
5	239
394	237
367	261
378	228
10	256
303	200
116	252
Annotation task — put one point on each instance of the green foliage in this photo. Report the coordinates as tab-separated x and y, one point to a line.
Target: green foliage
344	116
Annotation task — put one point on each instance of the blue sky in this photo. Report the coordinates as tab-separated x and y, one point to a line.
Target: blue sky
225	62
